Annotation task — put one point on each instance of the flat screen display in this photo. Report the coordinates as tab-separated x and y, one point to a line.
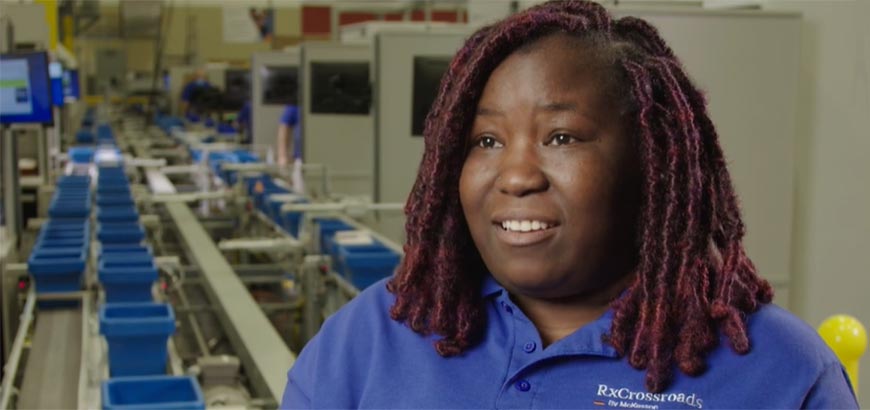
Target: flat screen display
71	90
280	85
427	78
340	88
25	90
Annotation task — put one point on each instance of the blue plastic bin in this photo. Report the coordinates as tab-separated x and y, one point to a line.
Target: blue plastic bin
137	334
83	137
124	248
69	209
65	224
115	199
123	232
363	268
83	155
117	214
328	228
126	259
152	392
58	269
71	229
77	181
58	260
62	243
113	190
62	235
355	249
127	284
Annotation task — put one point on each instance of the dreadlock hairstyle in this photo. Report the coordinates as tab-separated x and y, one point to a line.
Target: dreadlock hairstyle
692	276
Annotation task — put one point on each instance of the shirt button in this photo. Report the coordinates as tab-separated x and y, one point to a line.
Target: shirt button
523	386
529	347
508	308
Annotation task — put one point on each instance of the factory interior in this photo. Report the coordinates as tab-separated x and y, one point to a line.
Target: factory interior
190	188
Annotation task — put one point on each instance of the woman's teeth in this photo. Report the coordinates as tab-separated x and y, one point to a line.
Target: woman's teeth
524	226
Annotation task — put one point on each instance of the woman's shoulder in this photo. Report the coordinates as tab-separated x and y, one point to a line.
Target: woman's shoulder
776	332
363	323
370	307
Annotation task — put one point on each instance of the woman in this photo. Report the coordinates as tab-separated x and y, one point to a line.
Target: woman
573	241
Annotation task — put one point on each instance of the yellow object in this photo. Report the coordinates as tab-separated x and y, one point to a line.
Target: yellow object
68	25
50	20
848	339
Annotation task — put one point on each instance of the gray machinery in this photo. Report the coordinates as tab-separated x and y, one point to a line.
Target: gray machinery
111	69
274	84
408	69
336	114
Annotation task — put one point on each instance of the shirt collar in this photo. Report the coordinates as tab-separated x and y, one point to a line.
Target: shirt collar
490	286
586	340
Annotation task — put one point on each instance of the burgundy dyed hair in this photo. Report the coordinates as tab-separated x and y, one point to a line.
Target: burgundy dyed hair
693	278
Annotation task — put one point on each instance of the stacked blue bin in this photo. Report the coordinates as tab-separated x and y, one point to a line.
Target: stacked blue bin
127	273
59	257
105	135
126	267
135	328
85	136
361	264
137	334
289	221
81	155
153	392
118	220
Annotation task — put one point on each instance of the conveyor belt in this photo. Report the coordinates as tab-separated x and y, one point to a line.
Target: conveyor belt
258	344
51	375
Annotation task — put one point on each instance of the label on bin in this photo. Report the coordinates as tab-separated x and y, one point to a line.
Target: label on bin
353	238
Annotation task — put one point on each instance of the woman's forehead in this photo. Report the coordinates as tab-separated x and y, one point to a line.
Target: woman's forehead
551	70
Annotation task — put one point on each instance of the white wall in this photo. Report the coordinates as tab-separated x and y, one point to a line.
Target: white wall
832	198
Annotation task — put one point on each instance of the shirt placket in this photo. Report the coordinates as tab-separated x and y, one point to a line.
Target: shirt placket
522	381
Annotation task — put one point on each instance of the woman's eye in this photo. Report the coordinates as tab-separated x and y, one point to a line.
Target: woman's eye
488	142
562	139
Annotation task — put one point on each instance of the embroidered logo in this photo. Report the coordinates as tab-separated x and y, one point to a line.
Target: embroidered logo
625	398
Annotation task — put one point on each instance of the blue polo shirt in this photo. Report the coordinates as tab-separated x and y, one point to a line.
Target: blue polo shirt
290	118
363	359
192	87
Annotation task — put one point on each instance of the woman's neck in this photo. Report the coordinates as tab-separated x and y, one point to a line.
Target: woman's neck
557	318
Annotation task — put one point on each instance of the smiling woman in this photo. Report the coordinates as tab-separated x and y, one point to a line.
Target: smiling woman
548	148
573	240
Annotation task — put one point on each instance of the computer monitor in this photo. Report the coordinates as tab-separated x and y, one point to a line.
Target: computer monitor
25	93
71	90
55	75
237	88
427	78
280	85
340	88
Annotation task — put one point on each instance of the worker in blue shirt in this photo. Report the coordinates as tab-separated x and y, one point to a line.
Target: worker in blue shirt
573	241
286	145
243	122
191	89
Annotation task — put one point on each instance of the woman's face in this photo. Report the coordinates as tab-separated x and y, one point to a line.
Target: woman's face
550	184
